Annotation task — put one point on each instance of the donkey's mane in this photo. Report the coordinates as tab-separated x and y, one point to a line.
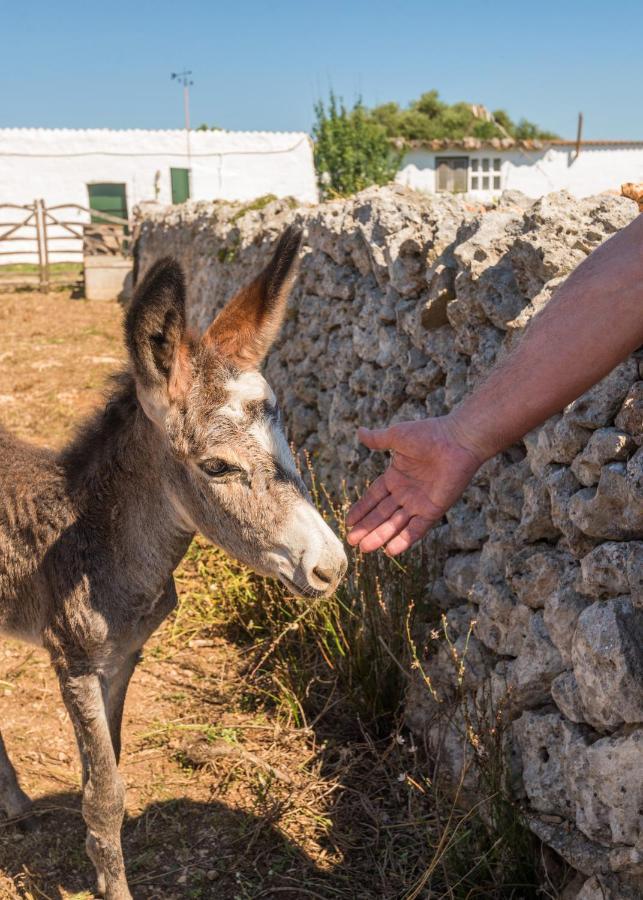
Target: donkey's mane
103	440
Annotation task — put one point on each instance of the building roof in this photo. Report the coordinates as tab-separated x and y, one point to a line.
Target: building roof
137	131
68	142
470	143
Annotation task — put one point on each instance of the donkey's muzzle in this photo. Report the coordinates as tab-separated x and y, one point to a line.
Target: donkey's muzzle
315	553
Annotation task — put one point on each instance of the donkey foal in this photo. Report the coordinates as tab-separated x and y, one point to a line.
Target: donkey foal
189	441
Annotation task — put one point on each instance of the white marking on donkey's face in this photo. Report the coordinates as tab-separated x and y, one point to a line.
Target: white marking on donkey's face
243	389
252	386
305	554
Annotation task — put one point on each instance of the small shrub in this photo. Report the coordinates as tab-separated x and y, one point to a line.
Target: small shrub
352	151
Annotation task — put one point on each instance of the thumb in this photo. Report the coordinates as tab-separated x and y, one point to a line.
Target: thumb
376	438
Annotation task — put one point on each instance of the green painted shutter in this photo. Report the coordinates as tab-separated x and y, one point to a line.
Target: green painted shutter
107	198
180	185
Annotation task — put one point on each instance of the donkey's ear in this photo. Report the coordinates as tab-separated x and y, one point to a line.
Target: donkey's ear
244	330
155	324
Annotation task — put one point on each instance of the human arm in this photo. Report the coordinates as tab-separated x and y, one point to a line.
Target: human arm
594	321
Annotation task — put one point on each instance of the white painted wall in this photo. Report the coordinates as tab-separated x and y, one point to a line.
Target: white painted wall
535	173
58	164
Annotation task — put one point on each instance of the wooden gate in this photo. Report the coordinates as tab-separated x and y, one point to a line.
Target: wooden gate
39	235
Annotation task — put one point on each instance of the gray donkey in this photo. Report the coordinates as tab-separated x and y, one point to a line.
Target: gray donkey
189	441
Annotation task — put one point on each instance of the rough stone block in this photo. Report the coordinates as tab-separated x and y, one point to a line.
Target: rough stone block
605	445
502	622
562	609
598	406
535	572
613	510
607	655
630	415
564	692
605	572
535	667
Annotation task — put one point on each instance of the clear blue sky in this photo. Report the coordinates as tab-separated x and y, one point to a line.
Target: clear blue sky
261	65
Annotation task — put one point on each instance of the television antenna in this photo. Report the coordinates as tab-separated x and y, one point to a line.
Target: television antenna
185	79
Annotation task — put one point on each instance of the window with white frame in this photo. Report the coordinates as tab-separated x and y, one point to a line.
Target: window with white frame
485	174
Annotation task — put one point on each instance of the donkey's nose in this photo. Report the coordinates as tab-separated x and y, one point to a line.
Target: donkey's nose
326	576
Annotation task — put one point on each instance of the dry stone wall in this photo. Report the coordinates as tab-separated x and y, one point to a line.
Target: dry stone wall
403	303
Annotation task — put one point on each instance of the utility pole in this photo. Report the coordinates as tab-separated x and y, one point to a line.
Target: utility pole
184	78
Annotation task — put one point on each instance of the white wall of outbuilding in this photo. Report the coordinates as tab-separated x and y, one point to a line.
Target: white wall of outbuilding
56	165
596	168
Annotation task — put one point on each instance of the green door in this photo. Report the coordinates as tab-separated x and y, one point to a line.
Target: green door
107	198
180	185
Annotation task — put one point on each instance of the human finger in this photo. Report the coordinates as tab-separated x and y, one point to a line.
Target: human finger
375	438
386	531
380	513
369	499
412	532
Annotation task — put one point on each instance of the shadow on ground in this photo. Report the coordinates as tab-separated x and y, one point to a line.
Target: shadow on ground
160	847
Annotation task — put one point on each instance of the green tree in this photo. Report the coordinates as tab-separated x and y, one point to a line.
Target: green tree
352	149
429	118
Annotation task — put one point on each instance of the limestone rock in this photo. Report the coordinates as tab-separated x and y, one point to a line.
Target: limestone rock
535	572
608	794
606	887
506	489
535	667
567	440
565	694
606	571
613	510
502	623
605	445
562	609
607	655
634	572
598	406
460	572
630	415
536	521
548	745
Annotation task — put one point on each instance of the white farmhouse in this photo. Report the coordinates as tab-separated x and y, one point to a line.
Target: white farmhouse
61	165
486	168
89	171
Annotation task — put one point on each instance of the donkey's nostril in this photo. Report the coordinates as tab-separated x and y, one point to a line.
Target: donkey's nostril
325	575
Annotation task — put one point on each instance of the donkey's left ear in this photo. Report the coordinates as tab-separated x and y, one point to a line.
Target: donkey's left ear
155	326
246	327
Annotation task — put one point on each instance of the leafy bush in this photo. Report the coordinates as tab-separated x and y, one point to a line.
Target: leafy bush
352	150
429	118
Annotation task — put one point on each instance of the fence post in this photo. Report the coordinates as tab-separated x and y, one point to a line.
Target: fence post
41	237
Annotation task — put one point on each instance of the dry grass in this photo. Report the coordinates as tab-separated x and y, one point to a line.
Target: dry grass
264	751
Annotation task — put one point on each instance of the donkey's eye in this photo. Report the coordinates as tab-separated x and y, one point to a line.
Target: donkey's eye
217	468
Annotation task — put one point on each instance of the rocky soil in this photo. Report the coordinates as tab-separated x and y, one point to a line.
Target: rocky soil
403	303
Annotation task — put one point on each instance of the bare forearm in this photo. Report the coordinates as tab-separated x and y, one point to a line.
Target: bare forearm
593	322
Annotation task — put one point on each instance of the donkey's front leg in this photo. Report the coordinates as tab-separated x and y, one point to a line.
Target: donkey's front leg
103	792
12	798
118	682
116	692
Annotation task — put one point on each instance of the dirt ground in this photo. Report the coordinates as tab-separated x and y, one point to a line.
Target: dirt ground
223	799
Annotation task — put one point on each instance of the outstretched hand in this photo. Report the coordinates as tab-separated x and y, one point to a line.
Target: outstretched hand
429	469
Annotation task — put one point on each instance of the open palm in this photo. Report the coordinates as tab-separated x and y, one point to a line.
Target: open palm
429	470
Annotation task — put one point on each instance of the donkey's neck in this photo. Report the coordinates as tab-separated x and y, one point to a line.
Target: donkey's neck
116	471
